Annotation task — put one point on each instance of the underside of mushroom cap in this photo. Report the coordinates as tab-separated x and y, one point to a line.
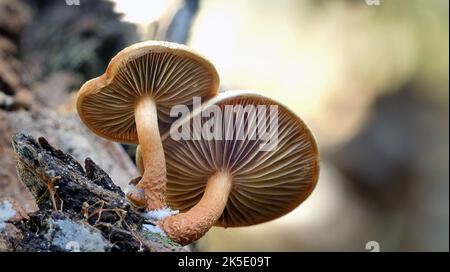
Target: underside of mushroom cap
171	74
266	184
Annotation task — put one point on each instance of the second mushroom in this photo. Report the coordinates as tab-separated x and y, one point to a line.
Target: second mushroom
231	181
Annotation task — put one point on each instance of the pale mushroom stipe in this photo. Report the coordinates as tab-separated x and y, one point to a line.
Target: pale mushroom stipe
234	182
131	102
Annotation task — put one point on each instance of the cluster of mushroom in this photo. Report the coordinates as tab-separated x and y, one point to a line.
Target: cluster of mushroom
222	182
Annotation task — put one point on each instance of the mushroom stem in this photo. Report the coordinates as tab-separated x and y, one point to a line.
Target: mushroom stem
184	228
150	190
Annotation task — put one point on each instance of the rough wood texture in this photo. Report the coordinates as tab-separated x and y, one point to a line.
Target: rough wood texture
68	133
79	208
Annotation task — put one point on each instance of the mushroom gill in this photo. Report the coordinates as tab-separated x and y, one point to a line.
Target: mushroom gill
265	184
169	79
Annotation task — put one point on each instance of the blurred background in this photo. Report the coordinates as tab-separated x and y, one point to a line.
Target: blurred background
370	78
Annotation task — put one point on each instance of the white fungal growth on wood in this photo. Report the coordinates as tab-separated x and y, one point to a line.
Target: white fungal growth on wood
6	212
156	215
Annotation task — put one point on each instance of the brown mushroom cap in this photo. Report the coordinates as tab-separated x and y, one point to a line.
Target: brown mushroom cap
266	184
170	73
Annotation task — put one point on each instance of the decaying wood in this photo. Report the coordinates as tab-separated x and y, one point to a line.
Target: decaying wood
75	202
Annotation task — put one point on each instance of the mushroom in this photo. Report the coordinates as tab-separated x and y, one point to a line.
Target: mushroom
131	103
234	182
